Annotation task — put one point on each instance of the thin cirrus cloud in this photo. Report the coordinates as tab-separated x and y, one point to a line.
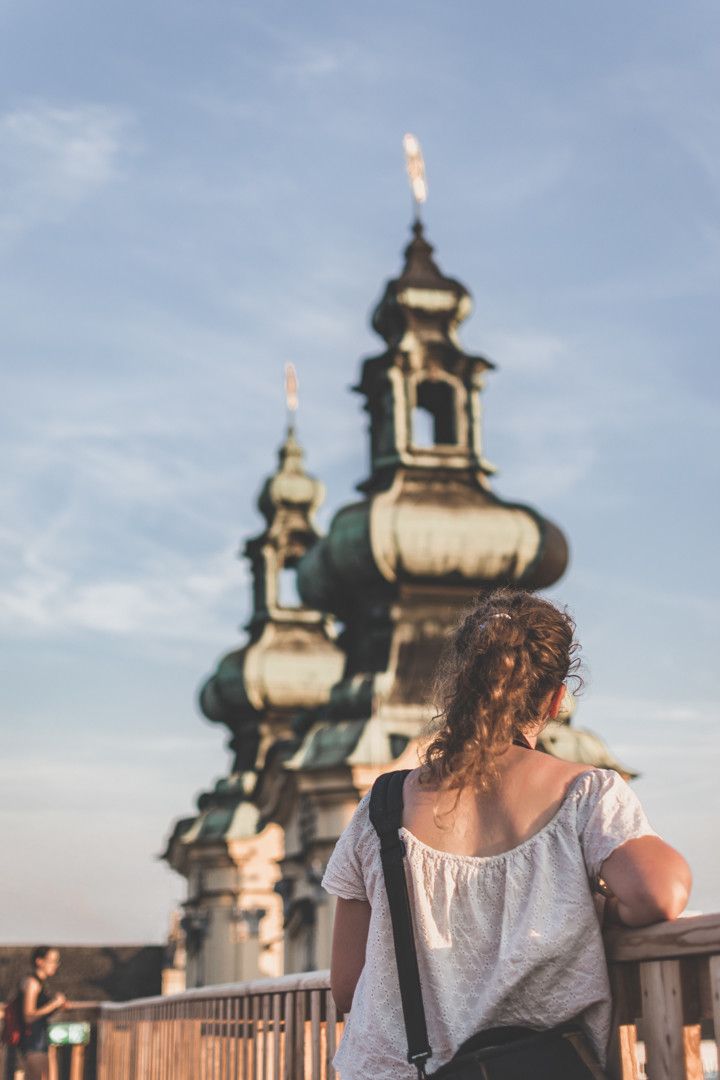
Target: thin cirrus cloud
53	157
526	350
680	101
174	599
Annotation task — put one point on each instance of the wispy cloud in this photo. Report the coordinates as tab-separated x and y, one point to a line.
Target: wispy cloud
681	99
526	350
177	599
52	158
311	63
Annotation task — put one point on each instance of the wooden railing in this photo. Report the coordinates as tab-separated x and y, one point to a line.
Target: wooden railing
272	1029
666	993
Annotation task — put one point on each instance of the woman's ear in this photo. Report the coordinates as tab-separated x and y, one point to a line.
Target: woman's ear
556	702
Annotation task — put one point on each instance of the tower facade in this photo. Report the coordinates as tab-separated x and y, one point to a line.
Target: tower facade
314	717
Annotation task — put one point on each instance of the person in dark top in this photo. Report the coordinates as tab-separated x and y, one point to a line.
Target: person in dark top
38	1004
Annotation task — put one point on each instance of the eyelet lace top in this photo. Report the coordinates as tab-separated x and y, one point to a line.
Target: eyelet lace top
501	939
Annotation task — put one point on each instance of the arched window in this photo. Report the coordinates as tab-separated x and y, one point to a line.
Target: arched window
434	419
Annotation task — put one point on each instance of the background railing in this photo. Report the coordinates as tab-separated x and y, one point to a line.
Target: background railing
666	993
272	1029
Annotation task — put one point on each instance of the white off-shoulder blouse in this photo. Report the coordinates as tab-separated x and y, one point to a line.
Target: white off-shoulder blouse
501	939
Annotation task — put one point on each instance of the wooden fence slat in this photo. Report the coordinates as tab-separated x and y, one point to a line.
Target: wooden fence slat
156	1053
155	1049
277	1036
331	1025
315	1033
300	1030
255	1037
205	1017
663	1019
691	1048
163	1071
171	1043
179	1054
289	1040
245	1030
158	1059
236	1038
265	1035
714	966
627	1044
216	1010
188	1043
221	1039
197	1042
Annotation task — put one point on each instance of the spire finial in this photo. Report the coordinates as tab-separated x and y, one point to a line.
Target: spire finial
415	165
291	394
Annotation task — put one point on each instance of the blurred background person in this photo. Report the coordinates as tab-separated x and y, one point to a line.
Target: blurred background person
38	1005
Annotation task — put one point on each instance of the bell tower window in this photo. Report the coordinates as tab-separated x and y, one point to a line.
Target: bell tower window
287	590
434	418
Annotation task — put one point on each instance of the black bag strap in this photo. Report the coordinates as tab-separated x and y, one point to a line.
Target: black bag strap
386	807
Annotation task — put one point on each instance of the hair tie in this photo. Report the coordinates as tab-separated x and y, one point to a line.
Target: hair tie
497	615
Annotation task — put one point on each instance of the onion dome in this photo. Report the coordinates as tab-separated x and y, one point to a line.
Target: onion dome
224	814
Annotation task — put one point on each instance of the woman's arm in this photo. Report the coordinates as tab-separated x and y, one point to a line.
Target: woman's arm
31	1013
649	881
350	931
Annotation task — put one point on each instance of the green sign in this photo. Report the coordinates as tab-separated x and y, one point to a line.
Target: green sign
69	1034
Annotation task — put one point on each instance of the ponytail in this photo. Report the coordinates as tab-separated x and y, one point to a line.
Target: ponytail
506	655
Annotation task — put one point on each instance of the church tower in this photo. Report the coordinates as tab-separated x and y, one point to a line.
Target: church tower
314	717
229	852
396	569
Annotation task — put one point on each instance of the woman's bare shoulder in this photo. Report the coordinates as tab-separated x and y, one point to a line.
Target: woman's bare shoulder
557	771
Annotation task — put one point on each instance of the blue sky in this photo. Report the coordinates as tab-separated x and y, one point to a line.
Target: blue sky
194	194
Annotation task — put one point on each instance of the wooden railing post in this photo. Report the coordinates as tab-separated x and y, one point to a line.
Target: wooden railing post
662	1011
714	970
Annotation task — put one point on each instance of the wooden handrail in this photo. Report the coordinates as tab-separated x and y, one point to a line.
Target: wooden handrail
698	935
282	984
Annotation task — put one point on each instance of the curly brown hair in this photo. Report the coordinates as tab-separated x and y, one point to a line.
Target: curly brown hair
508	652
